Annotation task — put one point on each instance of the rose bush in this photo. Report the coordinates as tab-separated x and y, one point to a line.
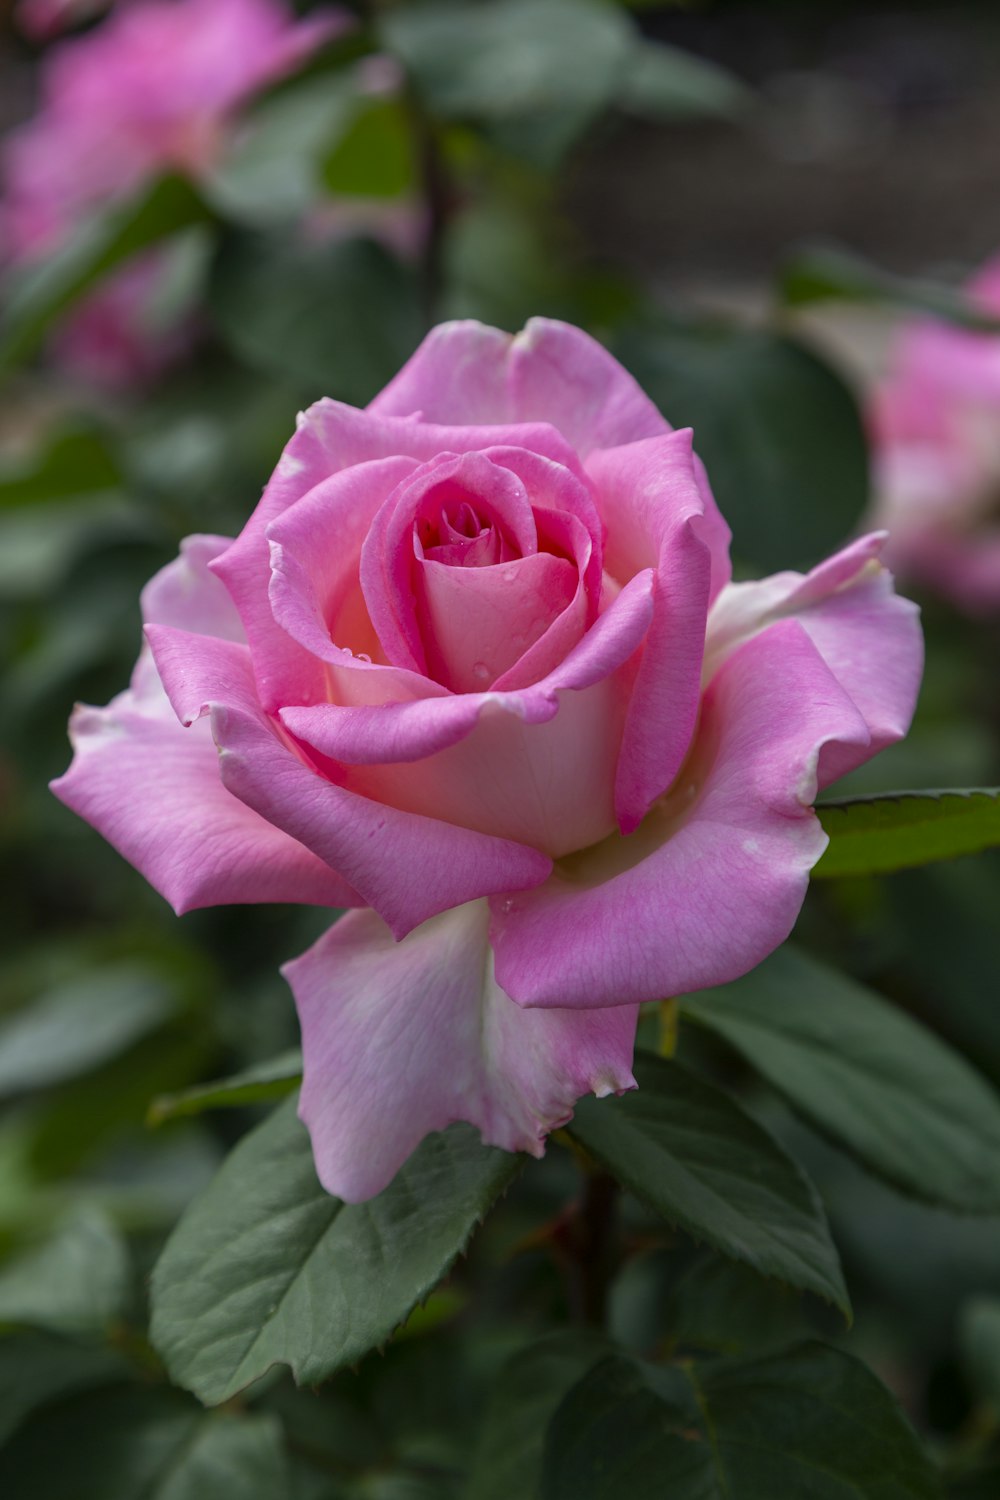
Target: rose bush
935	425
475	666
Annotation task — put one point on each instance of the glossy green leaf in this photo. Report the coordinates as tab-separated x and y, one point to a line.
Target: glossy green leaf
508	1457
666	83
867	1076
879	834
39	295
827	273
74	1282
256	1085
338	318
690	1153
810	1422
135	1444
778	430
36	1367
79	1026
266	1268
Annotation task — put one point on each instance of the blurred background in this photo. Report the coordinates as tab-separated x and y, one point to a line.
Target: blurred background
769	212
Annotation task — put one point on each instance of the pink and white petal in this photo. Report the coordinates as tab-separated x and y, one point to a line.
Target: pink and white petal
868	635
714	879
407	866
187	595
401	1039
465	372
654	507
152	789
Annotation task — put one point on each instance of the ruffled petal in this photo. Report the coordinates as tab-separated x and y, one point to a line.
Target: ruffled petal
465	372
713	880
152	788
400	1039
408	867
868	635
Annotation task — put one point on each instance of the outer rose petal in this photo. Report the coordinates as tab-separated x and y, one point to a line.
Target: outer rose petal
868	636
406	866
465	372
400	1039
714	879
655	511
186	594
152	789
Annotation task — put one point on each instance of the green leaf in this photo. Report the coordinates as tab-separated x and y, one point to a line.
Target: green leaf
825	273
534	71
690	1153
866	1076
666	83
339	318
901	830
979	1340
256	1085
75	461
266	1268
273	171
144	1445
79	1026
374	158
811	1422
37	1367
723	1306
779	432
39	295
76	1281
508	1458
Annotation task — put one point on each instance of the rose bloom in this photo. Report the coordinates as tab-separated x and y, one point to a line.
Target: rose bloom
154	88
935	426
475	667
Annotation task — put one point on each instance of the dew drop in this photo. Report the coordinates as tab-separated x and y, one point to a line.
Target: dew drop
507	905
363	656
481	672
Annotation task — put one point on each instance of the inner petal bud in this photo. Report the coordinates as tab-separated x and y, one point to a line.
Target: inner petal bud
476	622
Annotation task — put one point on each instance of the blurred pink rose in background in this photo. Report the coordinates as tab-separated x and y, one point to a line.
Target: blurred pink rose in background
154	88
475	665
935	426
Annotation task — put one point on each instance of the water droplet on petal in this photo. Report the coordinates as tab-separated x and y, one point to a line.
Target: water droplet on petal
363	656
481	672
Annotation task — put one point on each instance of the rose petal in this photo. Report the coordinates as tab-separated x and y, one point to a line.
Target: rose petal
186	594
493	761
465	372
152	788
331	438
400	1039
650	495
868	636
407	867
714	879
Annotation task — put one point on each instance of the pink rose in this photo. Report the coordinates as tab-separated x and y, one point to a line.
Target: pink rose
935	425
152	89
44	19
475	666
